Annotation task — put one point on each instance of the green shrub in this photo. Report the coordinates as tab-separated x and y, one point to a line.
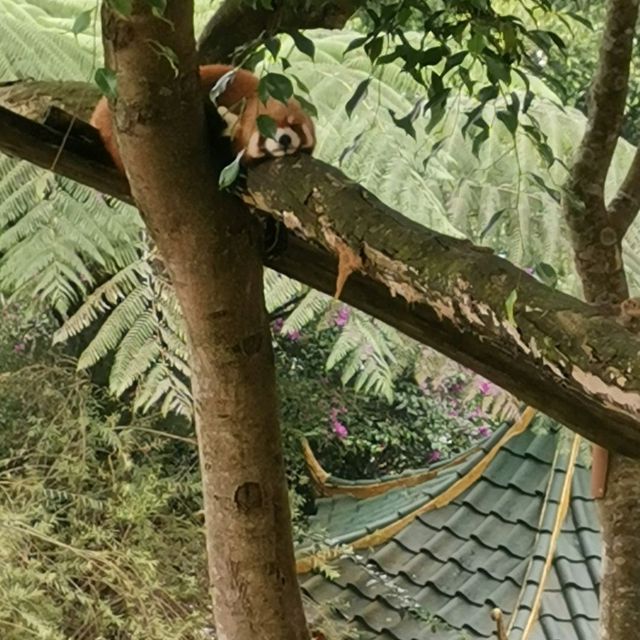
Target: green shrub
100	532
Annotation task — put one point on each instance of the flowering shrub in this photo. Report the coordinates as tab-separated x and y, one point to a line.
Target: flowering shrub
356	435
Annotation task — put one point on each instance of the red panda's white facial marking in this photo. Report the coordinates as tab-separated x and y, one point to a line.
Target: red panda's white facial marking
294	130
285	142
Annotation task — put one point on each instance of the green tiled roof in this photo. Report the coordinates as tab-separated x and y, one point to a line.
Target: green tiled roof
440	577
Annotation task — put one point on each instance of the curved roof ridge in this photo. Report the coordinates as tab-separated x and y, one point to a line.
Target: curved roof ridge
328	485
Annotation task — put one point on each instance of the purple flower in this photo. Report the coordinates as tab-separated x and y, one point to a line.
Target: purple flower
434	456
530	270
336	425
277	325
294	335
19	347
340	430
342	317
483	432
486	388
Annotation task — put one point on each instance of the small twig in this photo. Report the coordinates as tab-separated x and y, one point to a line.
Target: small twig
496	615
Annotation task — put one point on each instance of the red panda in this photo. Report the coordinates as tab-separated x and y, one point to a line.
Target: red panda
240	107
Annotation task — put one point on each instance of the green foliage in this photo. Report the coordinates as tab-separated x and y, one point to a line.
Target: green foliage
100	534
579	24
57	236
145	331
37	40
357	435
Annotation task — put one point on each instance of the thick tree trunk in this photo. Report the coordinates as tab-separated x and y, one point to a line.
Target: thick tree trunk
597	233
212	250
620	517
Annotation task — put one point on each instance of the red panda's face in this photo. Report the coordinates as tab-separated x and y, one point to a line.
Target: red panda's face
294	131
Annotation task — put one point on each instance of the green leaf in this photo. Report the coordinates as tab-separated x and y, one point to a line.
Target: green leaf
304	44
509	119
275	85
582	20
479	139
158	7
107	83
82	22
432	56
358	95
497	71
123	7
546	273
476	43
373	48
509	305
492	222
453	61
273	46
309	107
229	174
437	106
553	193
267	126
355	44
301	85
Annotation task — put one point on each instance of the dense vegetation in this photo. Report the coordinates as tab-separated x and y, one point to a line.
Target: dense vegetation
101	521
100	527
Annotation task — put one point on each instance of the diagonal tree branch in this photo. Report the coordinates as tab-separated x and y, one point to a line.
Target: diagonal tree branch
607	97
623	209
596	241
559	354
236	24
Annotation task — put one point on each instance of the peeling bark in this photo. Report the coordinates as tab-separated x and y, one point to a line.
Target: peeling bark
212	250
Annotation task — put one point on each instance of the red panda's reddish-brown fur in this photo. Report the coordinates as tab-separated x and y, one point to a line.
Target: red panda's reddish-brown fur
295	131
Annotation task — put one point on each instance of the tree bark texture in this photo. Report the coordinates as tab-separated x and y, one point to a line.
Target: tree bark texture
597	230
211	248
561	356
596	237
620	521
